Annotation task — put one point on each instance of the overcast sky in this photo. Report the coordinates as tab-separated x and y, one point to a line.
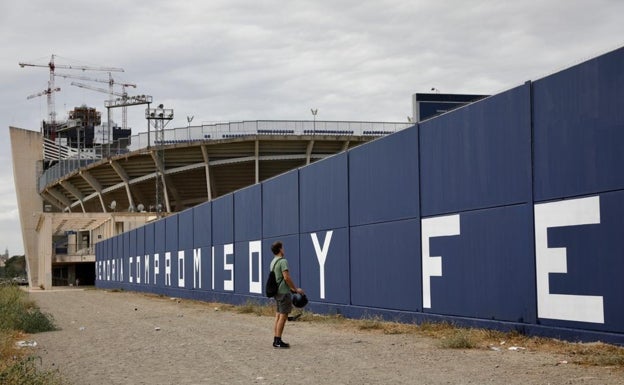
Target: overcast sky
228	60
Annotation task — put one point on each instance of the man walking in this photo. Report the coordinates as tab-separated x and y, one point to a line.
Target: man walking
283	299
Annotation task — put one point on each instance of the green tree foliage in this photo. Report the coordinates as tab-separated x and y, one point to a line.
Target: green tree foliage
14	267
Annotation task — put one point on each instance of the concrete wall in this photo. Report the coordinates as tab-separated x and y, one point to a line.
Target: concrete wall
27	150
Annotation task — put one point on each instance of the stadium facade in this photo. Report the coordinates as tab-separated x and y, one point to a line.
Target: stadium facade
72	195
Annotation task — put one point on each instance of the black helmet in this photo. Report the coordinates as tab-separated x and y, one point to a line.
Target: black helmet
299	300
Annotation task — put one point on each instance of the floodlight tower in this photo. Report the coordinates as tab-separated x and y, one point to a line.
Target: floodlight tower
159	117
314	112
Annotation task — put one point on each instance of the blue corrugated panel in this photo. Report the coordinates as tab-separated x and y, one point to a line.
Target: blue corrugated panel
248	214
579	129
114	248
325	265
478	156
185	230
124	250
280	205
132	243
202	225
160	248
323	195
140	241
109	249
132	253
385	265
171	234
383	179
486	265
223	220
586	234
150	242
186	245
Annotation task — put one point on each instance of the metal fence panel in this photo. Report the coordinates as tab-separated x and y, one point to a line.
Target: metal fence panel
383	179
280	205
323	194
248	213
579	129
478	156
385	269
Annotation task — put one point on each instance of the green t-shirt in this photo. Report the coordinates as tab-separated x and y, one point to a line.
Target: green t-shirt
279	265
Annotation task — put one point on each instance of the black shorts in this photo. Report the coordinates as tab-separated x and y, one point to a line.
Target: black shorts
284	303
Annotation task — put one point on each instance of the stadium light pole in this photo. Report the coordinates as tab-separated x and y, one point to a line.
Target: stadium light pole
314	112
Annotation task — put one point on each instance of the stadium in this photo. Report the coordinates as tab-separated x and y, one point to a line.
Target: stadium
505	213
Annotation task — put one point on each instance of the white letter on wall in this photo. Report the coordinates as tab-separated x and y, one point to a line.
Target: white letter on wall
167	268
181	271
432	265
228	284
255	247
196	268
146	266
213	268
584	308
321	256
156	266
130	279
138	269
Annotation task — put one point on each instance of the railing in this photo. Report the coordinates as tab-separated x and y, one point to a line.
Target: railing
230	130
68	160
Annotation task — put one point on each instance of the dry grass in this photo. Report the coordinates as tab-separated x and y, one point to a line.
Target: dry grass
18	316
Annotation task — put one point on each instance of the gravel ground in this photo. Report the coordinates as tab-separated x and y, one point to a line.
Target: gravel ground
131	338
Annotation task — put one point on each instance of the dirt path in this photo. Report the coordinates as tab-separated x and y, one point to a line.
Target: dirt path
130	338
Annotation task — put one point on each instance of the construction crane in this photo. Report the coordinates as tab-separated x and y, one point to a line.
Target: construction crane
44	92
51	87
110	82
123	94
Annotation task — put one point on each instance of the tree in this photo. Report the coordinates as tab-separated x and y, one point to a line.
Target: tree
15	266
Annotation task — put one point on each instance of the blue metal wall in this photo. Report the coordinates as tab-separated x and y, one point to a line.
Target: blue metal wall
506	213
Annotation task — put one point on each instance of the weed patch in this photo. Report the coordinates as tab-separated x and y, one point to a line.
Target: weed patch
19	315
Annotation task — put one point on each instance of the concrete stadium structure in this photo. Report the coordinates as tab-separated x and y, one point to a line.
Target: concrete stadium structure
83	197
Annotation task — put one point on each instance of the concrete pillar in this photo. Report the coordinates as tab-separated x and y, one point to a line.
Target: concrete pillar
44	237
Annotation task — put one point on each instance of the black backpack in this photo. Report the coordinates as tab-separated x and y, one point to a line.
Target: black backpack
271	284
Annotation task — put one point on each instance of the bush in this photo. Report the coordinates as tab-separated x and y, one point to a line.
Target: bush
461	339
19	313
